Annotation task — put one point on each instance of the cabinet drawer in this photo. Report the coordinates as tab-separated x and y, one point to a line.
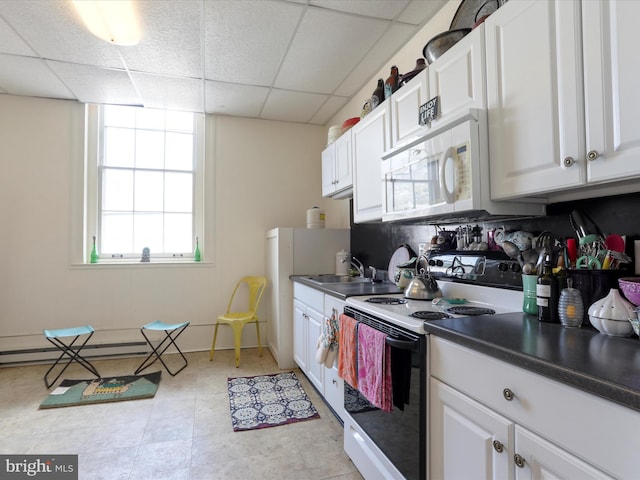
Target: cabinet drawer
309	296
592	428
331	304
334	391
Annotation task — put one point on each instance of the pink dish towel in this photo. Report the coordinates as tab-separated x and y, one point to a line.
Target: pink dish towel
347	350
374	367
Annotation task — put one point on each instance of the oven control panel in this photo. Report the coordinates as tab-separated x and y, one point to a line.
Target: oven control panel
483	268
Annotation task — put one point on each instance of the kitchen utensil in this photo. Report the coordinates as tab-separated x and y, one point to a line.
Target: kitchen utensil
470	12
512	251
443	42
614	242
572	251
401	255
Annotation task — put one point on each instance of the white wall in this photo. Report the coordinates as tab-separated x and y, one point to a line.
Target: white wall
266	174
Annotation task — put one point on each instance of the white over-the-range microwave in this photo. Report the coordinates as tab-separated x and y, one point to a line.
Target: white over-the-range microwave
444	175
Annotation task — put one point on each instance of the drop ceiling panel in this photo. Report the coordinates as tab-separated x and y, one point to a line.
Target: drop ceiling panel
97	85
30	76
171	41
246	41
329	109
292	106
372	8
327	46
55	32
171	93
290	60
231	99
419	12
10	42
383	49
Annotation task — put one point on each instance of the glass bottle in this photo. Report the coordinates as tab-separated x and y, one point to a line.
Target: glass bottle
570	306
378	95
94	252
391	85
196	253
547	293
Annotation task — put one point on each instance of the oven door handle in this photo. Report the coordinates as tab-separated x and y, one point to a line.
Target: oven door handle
403	344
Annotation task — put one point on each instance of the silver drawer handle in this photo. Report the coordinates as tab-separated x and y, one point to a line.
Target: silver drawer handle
592	155
519	460
498	446
508	394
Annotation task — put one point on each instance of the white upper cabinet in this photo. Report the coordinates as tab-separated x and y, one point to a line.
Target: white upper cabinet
458	78
337	168
405	106
611	70
534	98
371	138
561	90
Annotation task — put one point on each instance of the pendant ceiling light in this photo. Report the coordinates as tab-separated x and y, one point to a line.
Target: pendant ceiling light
113	21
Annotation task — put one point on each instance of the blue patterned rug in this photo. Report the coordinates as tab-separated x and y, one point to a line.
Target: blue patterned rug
268	401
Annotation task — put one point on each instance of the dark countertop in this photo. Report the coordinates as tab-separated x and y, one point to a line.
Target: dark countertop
581	357
344	290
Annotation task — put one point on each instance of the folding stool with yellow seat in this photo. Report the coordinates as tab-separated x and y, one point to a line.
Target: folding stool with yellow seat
237	319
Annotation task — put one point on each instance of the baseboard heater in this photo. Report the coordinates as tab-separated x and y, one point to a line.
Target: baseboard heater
49	354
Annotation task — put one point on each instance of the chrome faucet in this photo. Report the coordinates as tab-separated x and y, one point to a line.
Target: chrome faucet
358	266
374	273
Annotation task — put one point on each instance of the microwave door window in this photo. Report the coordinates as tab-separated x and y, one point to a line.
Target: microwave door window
426	185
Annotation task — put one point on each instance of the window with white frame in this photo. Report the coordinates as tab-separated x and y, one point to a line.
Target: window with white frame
144	183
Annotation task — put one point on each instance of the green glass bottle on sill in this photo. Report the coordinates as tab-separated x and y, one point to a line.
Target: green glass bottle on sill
196	253
94	252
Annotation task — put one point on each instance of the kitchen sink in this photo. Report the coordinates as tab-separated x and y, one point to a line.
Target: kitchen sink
338	279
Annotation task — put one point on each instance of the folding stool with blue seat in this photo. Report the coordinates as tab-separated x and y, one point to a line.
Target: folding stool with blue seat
69	349
172	331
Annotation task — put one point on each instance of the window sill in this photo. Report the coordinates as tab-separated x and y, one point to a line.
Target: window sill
160	263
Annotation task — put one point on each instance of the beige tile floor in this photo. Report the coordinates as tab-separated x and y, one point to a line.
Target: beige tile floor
184	432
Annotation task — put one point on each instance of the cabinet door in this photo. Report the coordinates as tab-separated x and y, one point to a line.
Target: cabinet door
405	108
543	460
458	77
342	164
534	97
370	140
466	439
611	70
300	334
328	175
315	370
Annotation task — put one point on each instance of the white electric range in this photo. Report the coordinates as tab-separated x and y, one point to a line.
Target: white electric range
462	298
394	444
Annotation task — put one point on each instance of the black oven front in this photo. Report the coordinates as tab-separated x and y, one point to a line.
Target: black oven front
402	433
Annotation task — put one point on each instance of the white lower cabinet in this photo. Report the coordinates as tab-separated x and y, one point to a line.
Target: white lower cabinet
491	420
469	440
311	307
308	304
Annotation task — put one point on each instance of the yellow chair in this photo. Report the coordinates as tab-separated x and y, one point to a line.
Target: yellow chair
238	319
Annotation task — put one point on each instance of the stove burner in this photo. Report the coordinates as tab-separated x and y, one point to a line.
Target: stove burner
469	311
386	300
428	315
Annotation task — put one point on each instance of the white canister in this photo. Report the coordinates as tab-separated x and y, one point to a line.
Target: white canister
315	218
343	262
